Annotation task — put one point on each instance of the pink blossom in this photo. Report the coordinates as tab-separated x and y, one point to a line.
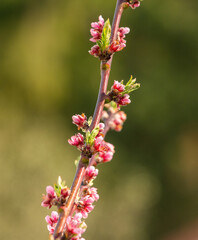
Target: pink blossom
124	100
65	192
79	120
52	220
135	4
120	42
106	156
75	226
95	51
114	47
91	173
122	31
97	143
101	129
118	86
92	192
48	198
105	150
122	116
101	126
108	152
117	121
111	147
85	206
77	140
96	29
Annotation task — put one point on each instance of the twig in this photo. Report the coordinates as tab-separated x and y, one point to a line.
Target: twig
105	71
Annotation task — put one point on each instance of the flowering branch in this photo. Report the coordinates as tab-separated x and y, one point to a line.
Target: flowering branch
75	204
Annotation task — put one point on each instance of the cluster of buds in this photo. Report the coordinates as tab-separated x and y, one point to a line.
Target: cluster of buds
51	221
88	194
56	196
93	144
120	93
101	33
80	121
94	149
113	117
75	227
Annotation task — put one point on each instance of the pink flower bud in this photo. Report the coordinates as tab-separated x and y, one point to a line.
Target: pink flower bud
95	51
85	206
50	191
118	86
91	173
96	30
101	129
75	226
97	143
49	197
92	192
106	156
65	192
77	140
79	120
117	121
135	4
124	100
123	31
122	116
101	20
120	42
52	220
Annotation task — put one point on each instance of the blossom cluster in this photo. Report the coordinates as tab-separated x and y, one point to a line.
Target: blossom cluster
101	32
119	92
114	118
94	148
88	194
75	225
93	143
55	196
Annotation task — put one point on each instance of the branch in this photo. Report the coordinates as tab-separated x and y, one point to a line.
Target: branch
105	72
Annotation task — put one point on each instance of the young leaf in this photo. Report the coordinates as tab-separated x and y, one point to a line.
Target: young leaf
131	86
103	43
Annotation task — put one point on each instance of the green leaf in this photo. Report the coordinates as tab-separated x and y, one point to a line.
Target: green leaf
87	137
104	42
90	120
57	189
131	86
91	136
113	104
94	132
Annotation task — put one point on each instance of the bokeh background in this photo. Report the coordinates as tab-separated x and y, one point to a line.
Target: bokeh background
150	189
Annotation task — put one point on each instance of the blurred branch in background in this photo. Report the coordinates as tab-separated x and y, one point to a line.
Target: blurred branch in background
186	233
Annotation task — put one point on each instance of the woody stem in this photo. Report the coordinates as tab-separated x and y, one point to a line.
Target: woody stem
66	210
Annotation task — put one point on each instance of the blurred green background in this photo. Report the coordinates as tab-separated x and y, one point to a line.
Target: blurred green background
150	189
